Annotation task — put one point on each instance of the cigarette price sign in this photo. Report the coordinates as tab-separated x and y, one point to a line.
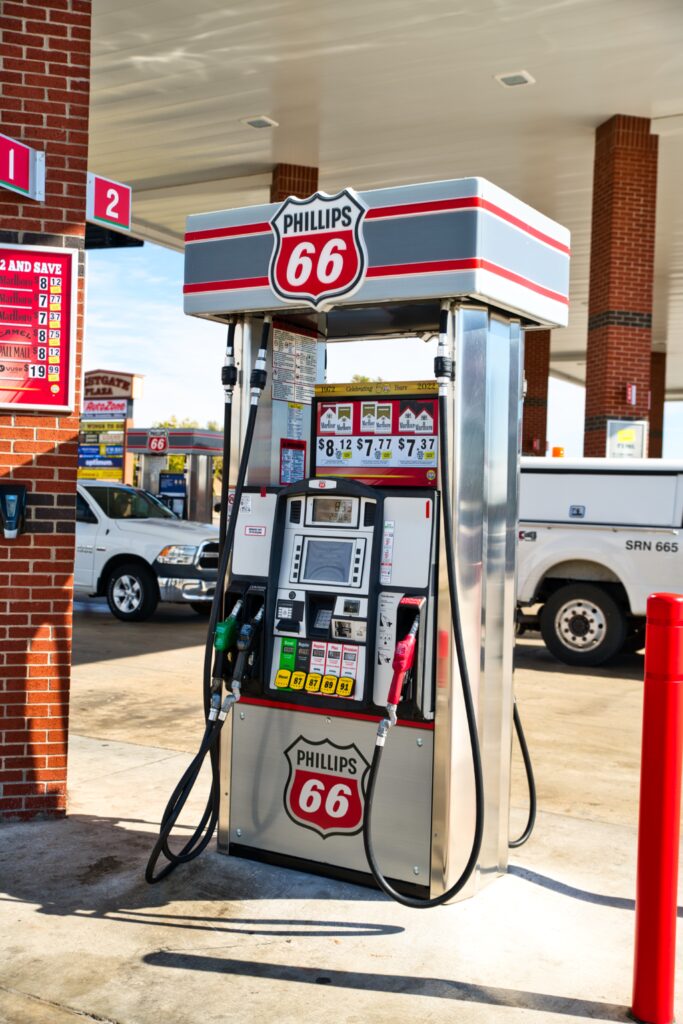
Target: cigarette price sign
108	202
22	169
37	327
382	434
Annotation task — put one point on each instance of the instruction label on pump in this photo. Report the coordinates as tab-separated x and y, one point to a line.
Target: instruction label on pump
387	607
387	560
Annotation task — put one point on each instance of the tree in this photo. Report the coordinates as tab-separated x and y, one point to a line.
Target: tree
360	378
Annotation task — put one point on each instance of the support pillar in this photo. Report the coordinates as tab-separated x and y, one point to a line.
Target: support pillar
293	180
657	392
45	84
536	373
621	276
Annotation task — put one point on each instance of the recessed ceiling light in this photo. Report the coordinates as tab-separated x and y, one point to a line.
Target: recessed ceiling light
260	121
510	79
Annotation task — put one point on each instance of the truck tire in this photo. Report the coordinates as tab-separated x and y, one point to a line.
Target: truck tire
582	624
132	593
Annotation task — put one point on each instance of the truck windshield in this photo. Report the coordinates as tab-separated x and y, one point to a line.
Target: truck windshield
129	503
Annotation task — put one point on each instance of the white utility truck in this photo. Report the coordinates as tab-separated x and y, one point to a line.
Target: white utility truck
595	538
133	550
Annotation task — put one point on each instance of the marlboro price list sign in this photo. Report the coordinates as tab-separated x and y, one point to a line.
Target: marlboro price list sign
389	437
37	328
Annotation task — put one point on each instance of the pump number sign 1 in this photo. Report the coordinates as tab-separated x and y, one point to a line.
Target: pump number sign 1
37	327
380	438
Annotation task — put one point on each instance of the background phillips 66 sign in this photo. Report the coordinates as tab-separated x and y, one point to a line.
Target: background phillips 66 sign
157	441
325	787
319	254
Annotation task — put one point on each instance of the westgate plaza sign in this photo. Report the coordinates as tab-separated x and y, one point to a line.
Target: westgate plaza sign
111	384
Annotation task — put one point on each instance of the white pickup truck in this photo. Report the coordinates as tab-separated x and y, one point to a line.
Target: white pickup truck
595	538
133	550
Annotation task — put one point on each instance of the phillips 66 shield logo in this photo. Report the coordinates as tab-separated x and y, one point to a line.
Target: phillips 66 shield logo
318	254
325	787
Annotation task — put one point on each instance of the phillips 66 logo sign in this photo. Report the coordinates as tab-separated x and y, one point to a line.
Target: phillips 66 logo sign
318	254
325	788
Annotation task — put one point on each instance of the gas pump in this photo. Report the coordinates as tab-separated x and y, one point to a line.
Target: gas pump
371	571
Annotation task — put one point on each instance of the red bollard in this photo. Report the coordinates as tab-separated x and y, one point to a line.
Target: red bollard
660	812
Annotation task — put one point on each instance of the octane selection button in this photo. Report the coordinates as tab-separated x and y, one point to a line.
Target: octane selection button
329	685
313	681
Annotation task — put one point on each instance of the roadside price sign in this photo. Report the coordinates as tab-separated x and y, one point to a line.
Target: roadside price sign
157	441
37	327
108	202
22	169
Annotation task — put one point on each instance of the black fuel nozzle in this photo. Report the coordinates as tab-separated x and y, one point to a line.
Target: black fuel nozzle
246	641
224	639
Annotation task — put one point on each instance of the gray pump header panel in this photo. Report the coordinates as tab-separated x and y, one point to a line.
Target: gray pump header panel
462	239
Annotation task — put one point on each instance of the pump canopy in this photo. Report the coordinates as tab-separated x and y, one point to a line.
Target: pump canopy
465	239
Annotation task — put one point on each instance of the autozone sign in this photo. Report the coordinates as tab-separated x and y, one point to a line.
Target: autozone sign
325	788
319	253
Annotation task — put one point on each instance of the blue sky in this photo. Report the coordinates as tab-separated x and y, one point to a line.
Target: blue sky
135	322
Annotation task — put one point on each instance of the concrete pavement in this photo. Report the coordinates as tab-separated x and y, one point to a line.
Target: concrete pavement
83	937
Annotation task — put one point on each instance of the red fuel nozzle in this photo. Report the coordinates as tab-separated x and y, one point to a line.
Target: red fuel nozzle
404	656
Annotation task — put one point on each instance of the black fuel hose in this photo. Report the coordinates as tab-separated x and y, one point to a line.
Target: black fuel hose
228	379
411	901
202	834
531	820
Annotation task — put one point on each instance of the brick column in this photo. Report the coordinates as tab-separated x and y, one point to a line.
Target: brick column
657	392
44	96
621	275
536	372
293	180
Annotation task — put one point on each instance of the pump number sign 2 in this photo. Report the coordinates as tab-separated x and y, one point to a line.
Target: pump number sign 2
37	327
379	439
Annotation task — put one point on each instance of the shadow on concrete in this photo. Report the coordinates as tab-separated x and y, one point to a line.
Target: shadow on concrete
100	636
439	988
91	866
614	902
536	657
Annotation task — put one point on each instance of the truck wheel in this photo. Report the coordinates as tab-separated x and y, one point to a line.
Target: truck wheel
132	592
582	624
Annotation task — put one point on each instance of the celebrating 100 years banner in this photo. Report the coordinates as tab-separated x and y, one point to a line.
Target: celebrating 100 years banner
37	327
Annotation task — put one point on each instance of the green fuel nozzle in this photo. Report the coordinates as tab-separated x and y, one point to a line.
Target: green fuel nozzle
225	633
224	639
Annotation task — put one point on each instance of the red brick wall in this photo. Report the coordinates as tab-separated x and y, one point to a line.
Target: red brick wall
621	275
657	391
44	96
293	180
536	372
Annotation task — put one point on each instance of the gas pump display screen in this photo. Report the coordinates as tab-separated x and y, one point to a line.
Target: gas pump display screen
333	510
327	561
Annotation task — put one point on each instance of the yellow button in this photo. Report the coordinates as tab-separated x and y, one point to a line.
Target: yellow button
345	686
329	684
298	680
312	682
282	678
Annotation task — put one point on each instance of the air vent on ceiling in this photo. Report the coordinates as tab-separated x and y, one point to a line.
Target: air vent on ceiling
511	79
